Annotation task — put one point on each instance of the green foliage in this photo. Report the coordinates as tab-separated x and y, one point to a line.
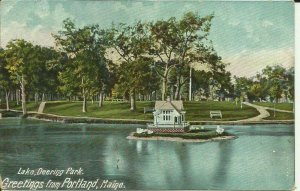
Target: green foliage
85	71
10	114
274	82
177	44
19	55
137	76
214	83
134	73
6	82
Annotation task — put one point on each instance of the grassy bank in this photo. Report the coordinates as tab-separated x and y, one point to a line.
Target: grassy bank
283	106
31	106
280	115
196	111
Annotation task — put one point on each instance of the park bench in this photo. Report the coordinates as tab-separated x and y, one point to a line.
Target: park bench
148	109
215	114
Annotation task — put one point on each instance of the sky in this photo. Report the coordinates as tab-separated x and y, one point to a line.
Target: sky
247	35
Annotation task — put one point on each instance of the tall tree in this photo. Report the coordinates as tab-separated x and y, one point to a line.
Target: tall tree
85	56
19	55
137	77
43	78
290	77
178	44
277	81
242	86
6	83
129	43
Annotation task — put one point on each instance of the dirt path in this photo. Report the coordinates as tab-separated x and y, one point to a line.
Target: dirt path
41	107
263	113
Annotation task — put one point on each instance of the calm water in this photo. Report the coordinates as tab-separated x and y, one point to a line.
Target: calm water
261	158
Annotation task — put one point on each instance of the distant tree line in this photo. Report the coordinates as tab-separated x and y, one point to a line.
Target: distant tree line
144	60
272	84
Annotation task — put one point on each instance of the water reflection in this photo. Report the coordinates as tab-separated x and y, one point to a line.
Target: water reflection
103	152
223	162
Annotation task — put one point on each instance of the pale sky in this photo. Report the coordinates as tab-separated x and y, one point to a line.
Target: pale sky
248	35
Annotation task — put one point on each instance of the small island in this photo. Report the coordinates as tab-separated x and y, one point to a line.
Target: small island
194	135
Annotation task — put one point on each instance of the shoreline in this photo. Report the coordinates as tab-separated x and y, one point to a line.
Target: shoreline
178	139
72	119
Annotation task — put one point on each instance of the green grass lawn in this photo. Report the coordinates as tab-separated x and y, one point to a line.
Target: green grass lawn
283	106
31	106
280	115
115	110
196	111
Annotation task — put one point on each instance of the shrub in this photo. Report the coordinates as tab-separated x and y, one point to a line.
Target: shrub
10	114
205	134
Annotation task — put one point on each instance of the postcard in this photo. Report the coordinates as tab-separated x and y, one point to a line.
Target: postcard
147	95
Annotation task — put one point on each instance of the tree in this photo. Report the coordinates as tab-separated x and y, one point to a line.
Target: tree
137	77
6	83
43	78
290	76
130	43
85	59
277	81
200	85
19	55
178	44
242	86
215	80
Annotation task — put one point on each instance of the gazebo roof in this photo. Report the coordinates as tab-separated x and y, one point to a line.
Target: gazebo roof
169	105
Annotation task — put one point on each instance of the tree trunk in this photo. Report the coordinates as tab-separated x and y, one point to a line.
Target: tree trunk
178	87
190	85
7	101
36	97
17	96
84	104
43	97
165	82
101	99
24	109
164	89
132	101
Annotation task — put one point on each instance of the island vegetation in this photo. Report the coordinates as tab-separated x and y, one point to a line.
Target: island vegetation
195	135
91	67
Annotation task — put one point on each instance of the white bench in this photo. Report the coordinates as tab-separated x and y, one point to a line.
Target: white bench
216	114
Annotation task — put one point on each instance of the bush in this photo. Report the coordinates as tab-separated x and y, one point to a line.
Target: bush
198	130
142	135
205	134
10	114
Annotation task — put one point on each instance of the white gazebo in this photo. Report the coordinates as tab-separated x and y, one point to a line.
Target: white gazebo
169	114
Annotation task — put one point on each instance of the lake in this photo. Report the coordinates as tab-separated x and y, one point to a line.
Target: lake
262	157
